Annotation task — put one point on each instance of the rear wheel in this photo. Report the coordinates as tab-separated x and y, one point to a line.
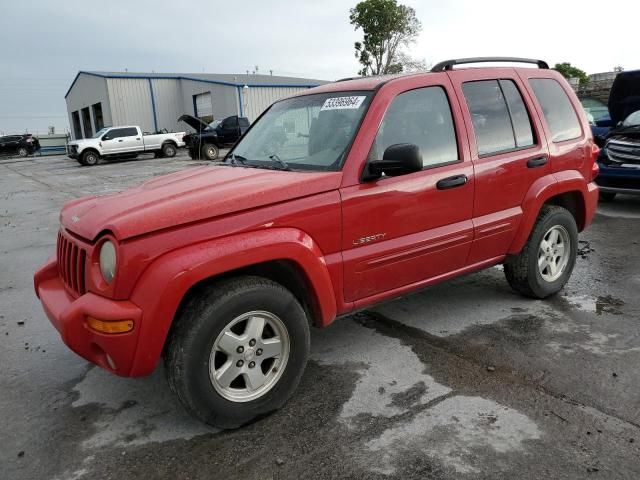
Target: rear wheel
90	158
210	151
23	152
545	263
238	351
607	196
169	150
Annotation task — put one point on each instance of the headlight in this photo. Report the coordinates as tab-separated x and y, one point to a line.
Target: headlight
108	261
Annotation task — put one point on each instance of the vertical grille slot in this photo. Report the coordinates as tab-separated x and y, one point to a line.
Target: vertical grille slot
71	261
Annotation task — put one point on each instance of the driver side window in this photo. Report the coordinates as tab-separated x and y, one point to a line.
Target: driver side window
421	117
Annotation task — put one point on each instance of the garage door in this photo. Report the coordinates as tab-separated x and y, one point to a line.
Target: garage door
204	109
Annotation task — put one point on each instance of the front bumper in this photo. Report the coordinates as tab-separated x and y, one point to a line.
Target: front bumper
113	352
618	179
72	152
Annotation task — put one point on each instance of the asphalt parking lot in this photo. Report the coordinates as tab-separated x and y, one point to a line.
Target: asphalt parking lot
463	380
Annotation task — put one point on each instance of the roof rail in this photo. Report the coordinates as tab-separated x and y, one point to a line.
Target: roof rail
448	64
349	78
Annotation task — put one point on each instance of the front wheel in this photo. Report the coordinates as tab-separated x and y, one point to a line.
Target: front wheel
210	151
237	351
90	158
607	196
545	263
23	152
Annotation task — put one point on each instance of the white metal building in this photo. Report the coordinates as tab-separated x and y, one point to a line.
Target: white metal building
154	101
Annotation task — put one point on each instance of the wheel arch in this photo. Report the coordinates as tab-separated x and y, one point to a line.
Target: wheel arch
286	255
565	189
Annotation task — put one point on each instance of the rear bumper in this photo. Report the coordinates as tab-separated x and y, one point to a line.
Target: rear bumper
113	352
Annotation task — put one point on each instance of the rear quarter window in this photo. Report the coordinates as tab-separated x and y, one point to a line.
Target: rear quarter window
557	109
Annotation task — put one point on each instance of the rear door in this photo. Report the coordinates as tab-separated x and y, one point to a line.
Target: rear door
229	130
131	140
508	150
398	232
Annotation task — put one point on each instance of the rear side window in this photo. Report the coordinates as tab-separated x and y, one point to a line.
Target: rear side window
557	109
129	132
422	117
500	119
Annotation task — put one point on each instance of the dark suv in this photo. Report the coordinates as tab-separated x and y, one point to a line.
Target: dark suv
208	139
620	156
21	145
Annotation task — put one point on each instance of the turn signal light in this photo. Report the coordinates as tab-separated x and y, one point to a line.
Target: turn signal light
110	326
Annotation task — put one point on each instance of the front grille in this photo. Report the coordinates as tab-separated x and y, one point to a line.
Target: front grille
71	260
623	151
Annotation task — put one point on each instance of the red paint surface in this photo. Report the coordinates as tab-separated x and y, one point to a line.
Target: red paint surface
175	231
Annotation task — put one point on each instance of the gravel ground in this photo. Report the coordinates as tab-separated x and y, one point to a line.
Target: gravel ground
463	380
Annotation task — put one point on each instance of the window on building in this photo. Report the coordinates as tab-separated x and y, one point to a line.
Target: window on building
421	117
98	120
86	123
557	109
77	129
500	119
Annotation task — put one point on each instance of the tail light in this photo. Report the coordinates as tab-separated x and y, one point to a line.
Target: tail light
595	168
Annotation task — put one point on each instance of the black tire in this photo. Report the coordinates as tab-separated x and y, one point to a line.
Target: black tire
90	158
81	162
607	196
169	150
23	152
522	270
210	151
196	328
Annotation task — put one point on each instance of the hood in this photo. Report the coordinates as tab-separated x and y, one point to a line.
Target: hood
624	97
190	196
195	123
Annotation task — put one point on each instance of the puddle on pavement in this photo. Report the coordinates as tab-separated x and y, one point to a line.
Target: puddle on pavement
598	305
148	412
453	429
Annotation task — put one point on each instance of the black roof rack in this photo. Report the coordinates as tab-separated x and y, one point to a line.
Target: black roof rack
448	64
349	78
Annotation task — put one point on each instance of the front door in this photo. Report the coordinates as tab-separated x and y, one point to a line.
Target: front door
400	231
229	130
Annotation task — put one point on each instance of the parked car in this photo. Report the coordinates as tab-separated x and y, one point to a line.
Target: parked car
379	186
123	142
21	145
208	139
619	160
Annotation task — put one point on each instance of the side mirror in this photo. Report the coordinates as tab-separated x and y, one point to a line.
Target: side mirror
398	159
106	137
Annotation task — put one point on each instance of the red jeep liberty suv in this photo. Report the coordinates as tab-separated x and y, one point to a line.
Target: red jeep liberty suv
351	193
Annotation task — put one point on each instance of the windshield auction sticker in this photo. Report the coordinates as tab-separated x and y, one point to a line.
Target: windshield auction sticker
342	103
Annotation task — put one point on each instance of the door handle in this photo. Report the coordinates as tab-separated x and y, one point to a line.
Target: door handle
120	140
536	162
451	182
137	139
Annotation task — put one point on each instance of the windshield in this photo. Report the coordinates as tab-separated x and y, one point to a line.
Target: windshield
101	132
632	120
311	132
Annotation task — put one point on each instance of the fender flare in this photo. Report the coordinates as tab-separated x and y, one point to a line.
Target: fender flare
162	287
539	193
87	149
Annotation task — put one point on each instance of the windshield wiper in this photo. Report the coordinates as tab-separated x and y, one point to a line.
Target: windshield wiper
277	160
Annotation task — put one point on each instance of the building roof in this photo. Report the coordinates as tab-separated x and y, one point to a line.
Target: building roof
230	79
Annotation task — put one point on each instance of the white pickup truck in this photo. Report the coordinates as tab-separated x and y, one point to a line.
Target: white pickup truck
123	142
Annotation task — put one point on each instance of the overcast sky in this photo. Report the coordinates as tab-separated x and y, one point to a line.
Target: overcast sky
43	44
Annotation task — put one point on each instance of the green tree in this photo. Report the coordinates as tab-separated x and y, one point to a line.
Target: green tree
569	71
387	27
